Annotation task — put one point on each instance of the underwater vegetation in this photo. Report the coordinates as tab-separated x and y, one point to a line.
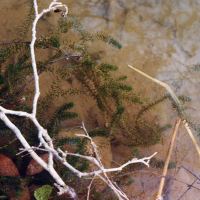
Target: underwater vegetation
70	43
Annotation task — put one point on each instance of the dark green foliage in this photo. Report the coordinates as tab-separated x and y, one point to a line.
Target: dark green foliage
95	77
105	67
83	167
74	23
125	181
67	175
116	117
180	111
103	88
10	180
82	146
13	76
2	80
77	146
135	152
151	105
97	132
167	126
184	99
8	151
197	68
26	25
96	195
88	63
156	163
67	140
55	42
42	178
60	114
122	78
65	24
148	134
160	164
108	194
107	39
141	134
172	165
10	184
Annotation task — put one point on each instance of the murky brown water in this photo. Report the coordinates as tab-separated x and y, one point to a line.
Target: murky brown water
158	37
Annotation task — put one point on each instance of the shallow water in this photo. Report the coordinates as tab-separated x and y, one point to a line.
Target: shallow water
161	38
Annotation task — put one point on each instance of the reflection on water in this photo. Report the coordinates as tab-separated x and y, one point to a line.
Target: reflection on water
158	37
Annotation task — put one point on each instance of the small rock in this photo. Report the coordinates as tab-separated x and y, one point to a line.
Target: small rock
7	167
34	167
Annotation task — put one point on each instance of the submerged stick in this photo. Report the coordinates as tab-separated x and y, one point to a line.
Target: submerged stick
162	181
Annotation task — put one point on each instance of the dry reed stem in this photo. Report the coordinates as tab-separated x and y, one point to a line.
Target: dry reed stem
160	83
191	136
162	181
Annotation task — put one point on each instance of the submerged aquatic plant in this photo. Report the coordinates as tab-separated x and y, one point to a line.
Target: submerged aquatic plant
37	123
